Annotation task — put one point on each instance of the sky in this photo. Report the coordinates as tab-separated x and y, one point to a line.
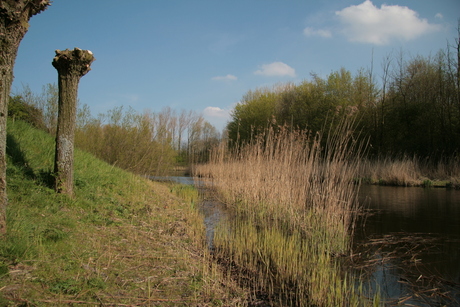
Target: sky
204	55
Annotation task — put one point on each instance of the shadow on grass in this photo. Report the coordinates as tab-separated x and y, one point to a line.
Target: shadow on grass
44	178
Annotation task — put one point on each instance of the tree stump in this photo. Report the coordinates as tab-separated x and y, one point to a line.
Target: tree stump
71	66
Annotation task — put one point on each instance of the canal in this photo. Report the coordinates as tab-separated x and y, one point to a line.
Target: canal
406	243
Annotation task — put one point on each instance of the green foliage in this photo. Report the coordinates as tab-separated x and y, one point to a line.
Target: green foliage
145	143
416	110
317	105
254	113
66	286
422	114
129	140
427	183
202	137
19	109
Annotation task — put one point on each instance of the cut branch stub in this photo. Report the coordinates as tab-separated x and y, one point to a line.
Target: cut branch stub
75	61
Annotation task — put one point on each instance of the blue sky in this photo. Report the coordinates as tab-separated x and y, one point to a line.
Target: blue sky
204	55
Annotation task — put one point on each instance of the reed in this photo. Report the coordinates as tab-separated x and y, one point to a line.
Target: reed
387	171
294	201
411	171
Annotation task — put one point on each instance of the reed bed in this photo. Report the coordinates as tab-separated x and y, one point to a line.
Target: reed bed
411	171
294	201
398	172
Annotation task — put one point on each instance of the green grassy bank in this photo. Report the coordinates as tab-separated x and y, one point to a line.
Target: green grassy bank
121	241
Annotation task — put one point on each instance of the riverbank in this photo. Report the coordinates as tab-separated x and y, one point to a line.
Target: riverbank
411	172
122	240
293	207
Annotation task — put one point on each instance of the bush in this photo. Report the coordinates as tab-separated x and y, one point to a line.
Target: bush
18	109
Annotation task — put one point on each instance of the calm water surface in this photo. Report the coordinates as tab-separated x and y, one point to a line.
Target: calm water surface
408	244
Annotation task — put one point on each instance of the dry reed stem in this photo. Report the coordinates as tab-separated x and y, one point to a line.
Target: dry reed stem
410	171
295	200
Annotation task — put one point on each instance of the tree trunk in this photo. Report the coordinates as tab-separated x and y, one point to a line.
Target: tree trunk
14	22
71	66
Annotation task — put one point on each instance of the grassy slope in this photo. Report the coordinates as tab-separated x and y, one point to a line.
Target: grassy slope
121	241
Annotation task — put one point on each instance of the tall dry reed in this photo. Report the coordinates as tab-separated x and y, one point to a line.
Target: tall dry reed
447	169
387	171
294	202
410	171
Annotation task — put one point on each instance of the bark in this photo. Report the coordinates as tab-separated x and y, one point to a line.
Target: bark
14	23
71	66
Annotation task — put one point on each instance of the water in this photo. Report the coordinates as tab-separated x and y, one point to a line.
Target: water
408	244
176	179
212	210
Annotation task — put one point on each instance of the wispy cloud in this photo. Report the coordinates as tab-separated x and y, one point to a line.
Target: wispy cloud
217	117
309	31
367	23
276	69
216	112
227	77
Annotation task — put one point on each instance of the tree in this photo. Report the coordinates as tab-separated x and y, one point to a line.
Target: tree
253	114
71	66
46	102
49	100
202	137
14	23
185	118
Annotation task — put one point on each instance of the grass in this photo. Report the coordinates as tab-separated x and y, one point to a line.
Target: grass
120	241
294	204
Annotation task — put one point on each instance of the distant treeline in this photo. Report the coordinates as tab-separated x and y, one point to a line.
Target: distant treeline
411	108
150	143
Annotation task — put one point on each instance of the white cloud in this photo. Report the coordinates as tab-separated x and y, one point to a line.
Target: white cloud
217	117
276	69
227	77
439	15
309	31
216	112
367	23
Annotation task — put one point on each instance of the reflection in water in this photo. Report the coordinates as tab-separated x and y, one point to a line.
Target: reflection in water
212	210
176	179
412	209
409	244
